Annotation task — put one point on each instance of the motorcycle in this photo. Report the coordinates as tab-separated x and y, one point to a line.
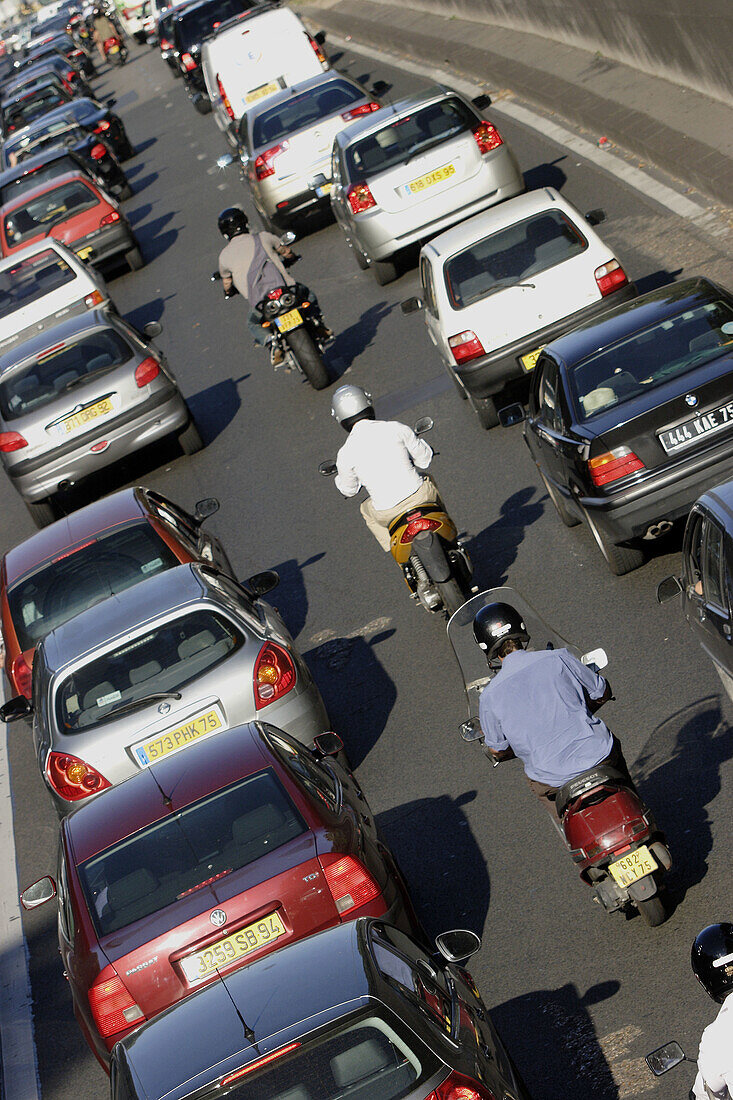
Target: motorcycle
114	51
609	832
425	544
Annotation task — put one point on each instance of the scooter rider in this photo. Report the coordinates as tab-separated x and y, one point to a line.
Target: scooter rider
103	28
712	965
382	456
540	707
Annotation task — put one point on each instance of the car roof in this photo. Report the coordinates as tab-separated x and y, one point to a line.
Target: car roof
286	94
59	334
498	217
83	524
719	500
41	245
49	80
378	119
39	160
45	187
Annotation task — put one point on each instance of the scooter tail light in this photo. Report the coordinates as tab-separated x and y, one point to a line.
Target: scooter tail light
417	525
274	674
458	1087
21	674
113	1008
613	465
360	198
263	164
146	371
350	883
610	277
72	778
465	346
487	137
12	441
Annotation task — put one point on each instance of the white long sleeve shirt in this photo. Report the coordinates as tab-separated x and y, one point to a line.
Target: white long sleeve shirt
381	456
714	1080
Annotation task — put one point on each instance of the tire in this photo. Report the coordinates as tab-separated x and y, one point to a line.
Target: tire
190	440
567	517
385	271
127	152
42	512
619	559
134	259
125	192
308	356
653	911
116	59
203	105
459	388
451	595
485	409
175	71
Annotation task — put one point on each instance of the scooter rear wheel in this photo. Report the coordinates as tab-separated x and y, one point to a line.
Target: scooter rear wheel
653	910
451	595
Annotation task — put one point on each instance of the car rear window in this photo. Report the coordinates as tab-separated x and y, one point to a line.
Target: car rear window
33	106
511	256
652	356
163	658
60	131
82	576
305	109
188	850
29	280
12	190
407	136
40	213
193	26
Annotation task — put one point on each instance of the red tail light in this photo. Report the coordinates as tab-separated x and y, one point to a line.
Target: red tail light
71	778
258	1064
360	198
12	441
422	523
94	299
224	98
350	883
102	127
111	218
165	44
112	1006
610	277
317	50
98	151
466	346
146	371
356	112
263	165
612	465
458	1087
21	674
71	74
274	674
275	294
188	62
487	137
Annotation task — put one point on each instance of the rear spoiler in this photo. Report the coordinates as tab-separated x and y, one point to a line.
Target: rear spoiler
258	9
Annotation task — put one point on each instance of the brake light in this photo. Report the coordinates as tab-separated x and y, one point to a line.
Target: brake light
458	1087
146	371
71	778
416	525
275	294
263	1061
71	74
111	218
94	299
165	44
360	198
112	1006
274	674
263	165
610	277
102	128
350	883
356	112
12	441
21	674
613	464
317	50
487	137
224	98
465	346
188	62
98	151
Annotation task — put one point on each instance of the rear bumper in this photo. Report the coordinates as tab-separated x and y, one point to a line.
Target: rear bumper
300	713
107	244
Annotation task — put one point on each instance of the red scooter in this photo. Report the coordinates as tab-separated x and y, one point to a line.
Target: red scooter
611	835
114	51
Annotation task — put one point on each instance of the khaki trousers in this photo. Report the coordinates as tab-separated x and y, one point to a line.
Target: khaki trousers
378	520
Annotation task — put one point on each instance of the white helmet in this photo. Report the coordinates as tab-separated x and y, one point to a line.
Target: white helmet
349	402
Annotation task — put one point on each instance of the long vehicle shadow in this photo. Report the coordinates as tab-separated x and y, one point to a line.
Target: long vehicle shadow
495	548
153	241
546	175
215	407
352	341
656	279
291	596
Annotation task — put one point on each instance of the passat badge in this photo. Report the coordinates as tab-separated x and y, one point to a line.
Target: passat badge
218	917
691	400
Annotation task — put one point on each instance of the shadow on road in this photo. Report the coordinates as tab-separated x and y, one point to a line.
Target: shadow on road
656	279
546	175
494	550
352	341
153	241
291	596
145	181
215	407
151	311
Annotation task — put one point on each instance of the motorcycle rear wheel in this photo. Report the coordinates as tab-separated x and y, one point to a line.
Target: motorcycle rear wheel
653	911
308	357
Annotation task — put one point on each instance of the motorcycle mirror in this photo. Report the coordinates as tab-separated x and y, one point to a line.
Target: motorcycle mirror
15	708
328	744
668	589
264	582
511	414
471	730
596	657
39	893
287	238
595	217
328	469
411	305
153	329
205	508
224	160
423	425
458	944
665	1058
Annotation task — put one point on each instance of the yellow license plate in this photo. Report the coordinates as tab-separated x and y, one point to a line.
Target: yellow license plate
85	253
289	320
262	91
80	419
634	866
431	178
205	963
529	361
155	748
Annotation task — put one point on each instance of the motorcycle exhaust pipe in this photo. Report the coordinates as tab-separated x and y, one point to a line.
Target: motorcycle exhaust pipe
656	530
430	553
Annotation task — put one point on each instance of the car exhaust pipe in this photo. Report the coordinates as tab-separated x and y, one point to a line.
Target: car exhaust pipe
430	553
658	529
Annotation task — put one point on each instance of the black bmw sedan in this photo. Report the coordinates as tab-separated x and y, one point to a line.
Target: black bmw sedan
630	416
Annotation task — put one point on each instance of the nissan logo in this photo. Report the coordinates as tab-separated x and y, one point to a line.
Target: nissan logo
218	917
691	400
164	708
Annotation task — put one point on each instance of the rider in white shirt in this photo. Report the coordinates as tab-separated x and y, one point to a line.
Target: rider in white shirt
712	963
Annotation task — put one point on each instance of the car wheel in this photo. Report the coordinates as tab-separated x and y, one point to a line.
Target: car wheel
566	516
360	258
485	409
135	259
620	559
203	105
42	511
176	72
127	151
190	440
385	271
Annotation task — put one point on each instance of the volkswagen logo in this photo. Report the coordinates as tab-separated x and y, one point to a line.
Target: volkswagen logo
164	708
218	917
691	400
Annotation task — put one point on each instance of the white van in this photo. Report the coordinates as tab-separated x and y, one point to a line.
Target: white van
255	55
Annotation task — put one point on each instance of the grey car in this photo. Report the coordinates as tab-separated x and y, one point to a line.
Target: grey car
157	667
414	168
81	397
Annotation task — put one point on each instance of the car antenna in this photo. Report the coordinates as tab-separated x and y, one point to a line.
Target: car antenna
167	800
248	1032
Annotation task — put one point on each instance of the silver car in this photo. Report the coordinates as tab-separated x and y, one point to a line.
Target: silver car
163	664
80	397
407	172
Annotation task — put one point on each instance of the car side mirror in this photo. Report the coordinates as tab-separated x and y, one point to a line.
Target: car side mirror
411	305
39	893
458	944
224	160
471	730
595	217
328	744
379	87
423	425
262	583
511	414
320	38
152	329
18	707
665	1058
111	101
596	658
668	589
481	101
205	508
328	469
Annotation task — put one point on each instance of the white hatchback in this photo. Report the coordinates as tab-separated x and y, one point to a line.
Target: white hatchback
501	285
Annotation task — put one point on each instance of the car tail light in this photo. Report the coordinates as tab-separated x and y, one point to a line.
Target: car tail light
610	277
360	198
165	44
188	62
420	523
146	371
94	299
98	151
102	127
12	441
71	778
613	464
274	674
350	883
487	137
458	1087
111	218
258	1064
317	50
356	112
224	97
21	675
263	165
112	1006
465	346
71	74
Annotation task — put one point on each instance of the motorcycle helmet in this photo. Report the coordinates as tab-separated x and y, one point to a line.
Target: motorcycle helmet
712	960
350	404
232	222
494	624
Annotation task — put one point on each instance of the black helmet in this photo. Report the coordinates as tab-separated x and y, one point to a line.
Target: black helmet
494	624
712	960
232	221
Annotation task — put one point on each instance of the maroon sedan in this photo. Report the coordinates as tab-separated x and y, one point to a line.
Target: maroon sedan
205	862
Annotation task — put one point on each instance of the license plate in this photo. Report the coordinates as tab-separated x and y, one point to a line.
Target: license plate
262	91
289	320
321	192
85	253
529	361
440	174
226	951
633	866
114	49
163	744
81	419
685	435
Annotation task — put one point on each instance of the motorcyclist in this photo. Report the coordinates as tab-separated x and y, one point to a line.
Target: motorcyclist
103	28
540	707
712	965
382	456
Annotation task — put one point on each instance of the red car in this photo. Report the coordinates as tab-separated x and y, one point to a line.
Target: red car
75	210
206	861
93	553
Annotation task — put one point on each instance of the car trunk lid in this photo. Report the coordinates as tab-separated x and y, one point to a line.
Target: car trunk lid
428	177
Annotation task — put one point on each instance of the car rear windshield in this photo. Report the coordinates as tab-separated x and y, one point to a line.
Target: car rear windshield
188	850
12	190
511	256
164	658
57	371
406	137
193	26
82	576
60	131
33	106
29	280
303	110
652	356
38	215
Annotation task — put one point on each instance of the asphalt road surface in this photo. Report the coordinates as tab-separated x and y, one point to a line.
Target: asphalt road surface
579	995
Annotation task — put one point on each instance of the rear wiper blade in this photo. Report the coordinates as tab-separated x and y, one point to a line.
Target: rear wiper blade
144	701
430	144
506	284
